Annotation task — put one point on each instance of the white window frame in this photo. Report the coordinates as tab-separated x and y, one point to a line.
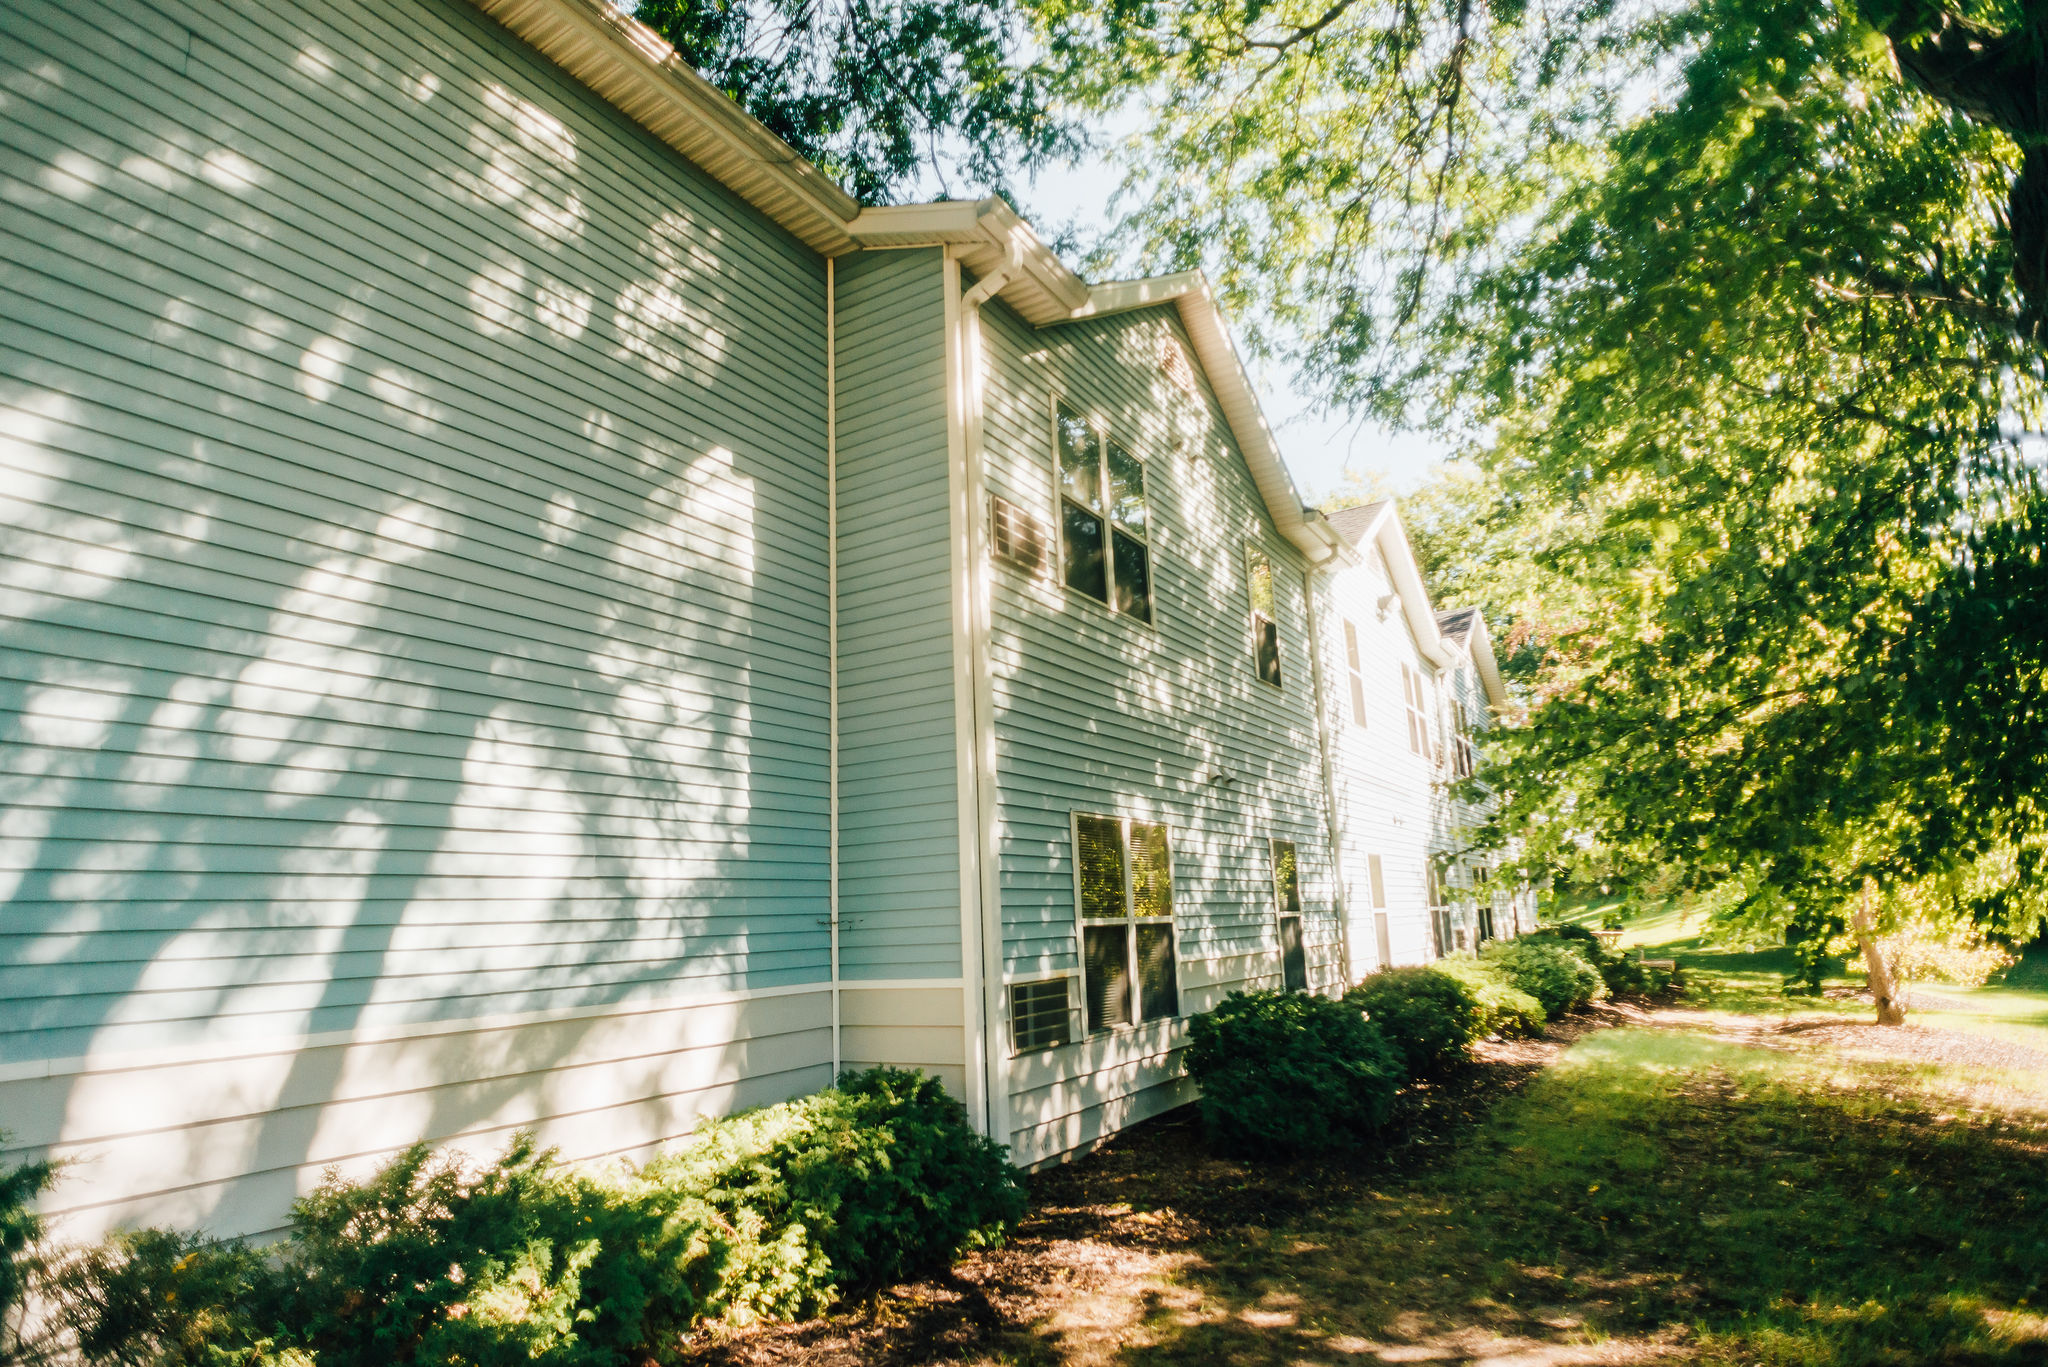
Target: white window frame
1281	911
1130	920
1354	668
1103	436
1414	701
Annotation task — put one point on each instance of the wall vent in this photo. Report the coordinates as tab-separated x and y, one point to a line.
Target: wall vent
1016	537
1039	1018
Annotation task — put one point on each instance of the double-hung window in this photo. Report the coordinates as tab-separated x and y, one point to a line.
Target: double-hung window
1382	931
1357	672
1463	758
1105	523
1265	627
1287	899
1413	697
1123	879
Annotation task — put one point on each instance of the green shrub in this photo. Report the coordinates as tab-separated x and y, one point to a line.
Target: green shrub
1558	978
520	1261
1502	1008
1624	976
1431	1018
1575	936
1290	1073
21	1263
856	1186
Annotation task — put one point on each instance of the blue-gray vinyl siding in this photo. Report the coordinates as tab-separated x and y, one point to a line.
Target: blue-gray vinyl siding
413	597
899	821
1100	713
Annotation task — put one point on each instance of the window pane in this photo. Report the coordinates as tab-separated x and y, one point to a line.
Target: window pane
1351	646
1261	572
1268	648
1379	880
1158	991
1106	953
1151	870
1038	1014
1099	855
1286	876
1358	699
1133	577
1080	470
1384	938
1293	955
1126	487
1085	569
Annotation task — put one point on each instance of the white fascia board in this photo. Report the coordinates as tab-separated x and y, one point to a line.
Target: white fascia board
636	71
1480	643
1199	312
1406	572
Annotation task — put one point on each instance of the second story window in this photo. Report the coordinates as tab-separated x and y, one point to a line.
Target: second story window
1415	701
1463	757
1357	672
1105	523
1265	627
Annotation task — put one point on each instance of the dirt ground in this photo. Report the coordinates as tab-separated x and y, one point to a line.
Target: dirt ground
1087	1262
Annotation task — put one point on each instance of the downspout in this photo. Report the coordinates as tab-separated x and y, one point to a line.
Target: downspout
832	640
995	1073
1320	571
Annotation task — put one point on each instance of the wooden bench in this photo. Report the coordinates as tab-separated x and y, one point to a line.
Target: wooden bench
1663	965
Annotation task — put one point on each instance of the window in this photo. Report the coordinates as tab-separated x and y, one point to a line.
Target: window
1105	523
1039	1015
1418	715
1123	886
1015	536
1357	672
1464	758
1379	880
1287	897
1265	629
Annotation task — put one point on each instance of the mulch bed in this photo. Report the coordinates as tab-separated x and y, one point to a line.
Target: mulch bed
1119	1214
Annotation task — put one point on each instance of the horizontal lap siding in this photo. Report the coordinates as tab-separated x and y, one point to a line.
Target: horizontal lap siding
1387	800
899	816
1100	714
413	602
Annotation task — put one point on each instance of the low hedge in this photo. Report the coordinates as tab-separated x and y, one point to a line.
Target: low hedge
1291	1073
1501	1009
523	1260
1557	976
1431	1018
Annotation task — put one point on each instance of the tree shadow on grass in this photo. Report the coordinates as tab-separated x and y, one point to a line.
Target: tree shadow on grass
1630	1208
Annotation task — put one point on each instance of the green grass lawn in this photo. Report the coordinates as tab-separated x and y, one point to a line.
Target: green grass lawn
1738	1182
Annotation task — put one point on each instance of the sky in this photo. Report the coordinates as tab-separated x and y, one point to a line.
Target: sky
1319	448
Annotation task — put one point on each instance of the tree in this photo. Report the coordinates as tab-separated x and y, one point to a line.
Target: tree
889	98
1740	304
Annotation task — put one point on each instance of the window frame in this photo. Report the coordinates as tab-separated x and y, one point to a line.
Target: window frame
1282	912
1420	742
1354	668
1130	921
1255	547
1102	435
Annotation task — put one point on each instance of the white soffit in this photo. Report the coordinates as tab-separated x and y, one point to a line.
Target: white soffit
637	72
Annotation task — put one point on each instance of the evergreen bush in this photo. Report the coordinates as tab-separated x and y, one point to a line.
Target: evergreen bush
1502	1009
1290	1073
1431	1018
21	1262
525	1261
1558	978
856	1186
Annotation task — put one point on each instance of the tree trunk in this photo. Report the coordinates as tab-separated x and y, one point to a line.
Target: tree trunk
1890	1010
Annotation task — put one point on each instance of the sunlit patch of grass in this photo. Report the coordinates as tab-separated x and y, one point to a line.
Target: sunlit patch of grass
1667	1188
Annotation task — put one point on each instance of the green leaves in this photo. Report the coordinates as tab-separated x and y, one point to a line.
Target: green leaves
885	97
